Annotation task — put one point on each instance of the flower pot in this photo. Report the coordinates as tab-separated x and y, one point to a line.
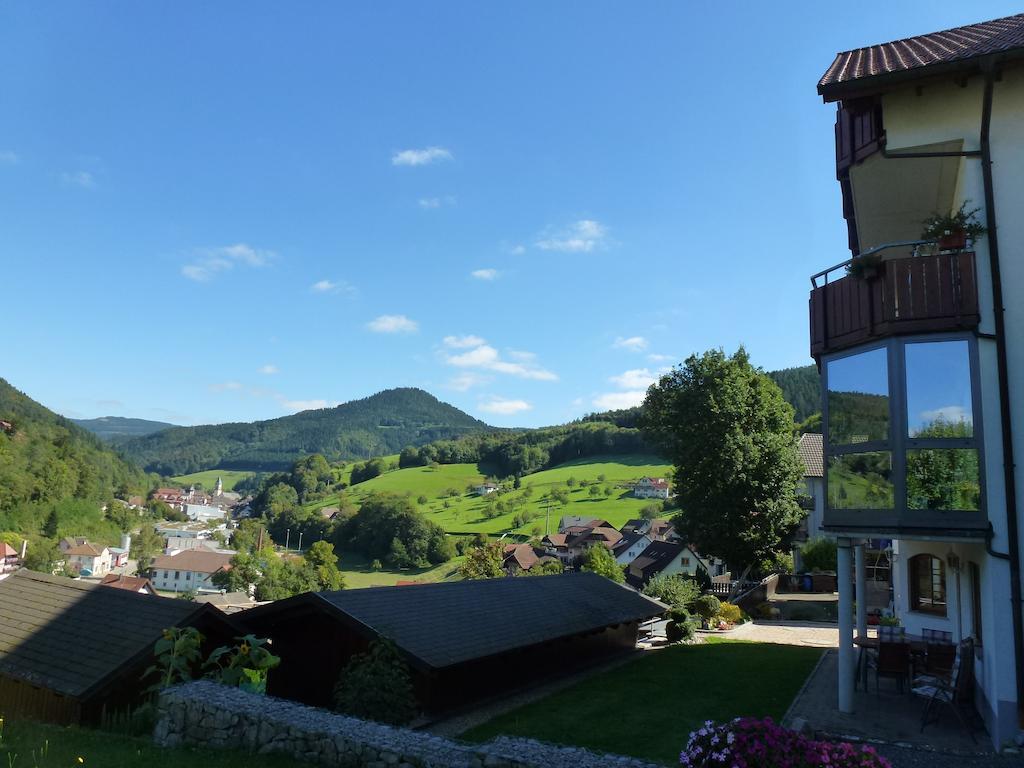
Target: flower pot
953	240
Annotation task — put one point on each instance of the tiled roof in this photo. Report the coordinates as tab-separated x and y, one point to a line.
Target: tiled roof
6	550
69	635
917	53
84	550
131	583
523	554
447	623
812	454
197	560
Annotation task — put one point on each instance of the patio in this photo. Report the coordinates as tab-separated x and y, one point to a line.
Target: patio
887	717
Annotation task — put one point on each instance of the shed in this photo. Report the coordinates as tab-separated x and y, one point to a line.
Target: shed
463	640
70	650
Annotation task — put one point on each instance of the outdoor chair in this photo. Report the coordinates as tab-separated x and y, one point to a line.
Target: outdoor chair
893	661
955	689
939	659
891	634
936	636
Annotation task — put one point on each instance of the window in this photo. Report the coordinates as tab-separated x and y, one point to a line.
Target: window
858	398
927	584
860	481
177	575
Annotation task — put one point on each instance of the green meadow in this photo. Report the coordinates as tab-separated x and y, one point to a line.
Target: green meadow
208	478
464	512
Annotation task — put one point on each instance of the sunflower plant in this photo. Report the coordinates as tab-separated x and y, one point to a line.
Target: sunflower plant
244	665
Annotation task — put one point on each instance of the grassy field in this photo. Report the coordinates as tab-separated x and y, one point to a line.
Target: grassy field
648	708
208	478
464	512
34	745
358	573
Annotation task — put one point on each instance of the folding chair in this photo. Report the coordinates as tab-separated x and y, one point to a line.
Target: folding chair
955	689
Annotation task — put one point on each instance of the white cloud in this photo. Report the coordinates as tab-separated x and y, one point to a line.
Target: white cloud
306	405
582	236
7	157
632	343
481	355
613	401
421	156
393	324
433	203
504	407
209	262
465	381
655	358
517	250
951	414
82	179
463	342
269	369
225	386
637	378
330	286
485	274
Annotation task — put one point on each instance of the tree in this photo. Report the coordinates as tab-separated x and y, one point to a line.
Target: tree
675	590
324	562
600	560
731	437
594	491
50	526
376	685
484	562
146	545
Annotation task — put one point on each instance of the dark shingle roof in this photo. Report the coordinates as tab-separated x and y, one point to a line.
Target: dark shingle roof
71	636
948	47
812	454
449	623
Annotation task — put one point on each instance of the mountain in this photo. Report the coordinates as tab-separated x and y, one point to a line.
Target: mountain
46	459
115	429
378	425
801	387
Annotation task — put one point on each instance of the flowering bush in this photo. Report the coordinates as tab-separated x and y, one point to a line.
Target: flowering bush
753	743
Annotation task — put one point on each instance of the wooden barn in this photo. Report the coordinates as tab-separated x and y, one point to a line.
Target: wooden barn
71	650
463	640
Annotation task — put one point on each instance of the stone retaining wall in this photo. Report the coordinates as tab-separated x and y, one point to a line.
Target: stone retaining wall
205	714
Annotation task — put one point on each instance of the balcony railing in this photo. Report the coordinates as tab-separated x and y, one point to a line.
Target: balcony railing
916	294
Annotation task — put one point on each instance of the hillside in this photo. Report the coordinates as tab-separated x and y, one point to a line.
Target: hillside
801	387
116	429
383	423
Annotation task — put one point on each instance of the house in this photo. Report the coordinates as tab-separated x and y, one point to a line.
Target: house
183	530
921	349
190	570
581	522
204	513
651	488
662	530
79	650
630	546
138	584
175	543
577	542
9	559
664	558
812	493
463	640
522	557
229	602
6	426
70	541
172	496
485	489
87	559
119	555
636	525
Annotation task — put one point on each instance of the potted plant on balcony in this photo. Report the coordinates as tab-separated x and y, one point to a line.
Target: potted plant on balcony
952	231
865	267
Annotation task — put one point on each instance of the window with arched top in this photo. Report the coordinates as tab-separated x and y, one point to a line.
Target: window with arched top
927	584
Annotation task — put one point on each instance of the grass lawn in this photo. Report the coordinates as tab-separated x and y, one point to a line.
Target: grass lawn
63	747
208	478
647	708
357	572
465	511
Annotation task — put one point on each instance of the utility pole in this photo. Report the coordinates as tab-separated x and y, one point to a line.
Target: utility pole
300	543
287	538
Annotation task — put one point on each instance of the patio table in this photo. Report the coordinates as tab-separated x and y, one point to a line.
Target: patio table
918	646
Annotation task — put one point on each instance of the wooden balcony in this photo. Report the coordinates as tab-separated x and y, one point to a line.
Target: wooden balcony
917	294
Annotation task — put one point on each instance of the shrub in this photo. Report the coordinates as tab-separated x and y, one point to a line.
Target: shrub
681	627
730	613
819	554
376	686
750	742
178	652
706	606
422	499
677	590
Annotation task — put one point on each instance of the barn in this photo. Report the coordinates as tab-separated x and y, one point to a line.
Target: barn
71	650
463	641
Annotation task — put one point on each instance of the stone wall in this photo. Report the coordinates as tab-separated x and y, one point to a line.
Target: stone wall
205	714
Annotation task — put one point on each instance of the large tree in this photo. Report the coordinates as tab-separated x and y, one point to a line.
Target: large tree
729	432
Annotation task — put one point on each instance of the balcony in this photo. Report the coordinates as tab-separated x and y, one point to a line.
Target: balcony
915	294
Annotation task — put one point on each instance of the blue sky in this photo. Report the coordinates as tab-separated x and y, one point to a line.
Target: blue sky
231	211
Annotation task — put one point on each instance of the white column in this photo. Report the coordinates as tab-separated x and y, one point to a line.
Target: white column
846	665
862	589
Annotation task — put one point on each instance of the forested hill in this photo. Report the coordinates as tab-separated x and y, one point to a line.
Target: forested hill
116	429
46	459
378	425
801	387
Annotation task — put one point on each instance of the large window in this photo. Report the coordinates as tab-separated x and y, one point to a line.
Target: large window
901	431
927	584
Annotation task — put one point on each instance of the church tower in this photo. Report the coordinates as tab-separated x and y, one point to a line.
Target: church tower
218	489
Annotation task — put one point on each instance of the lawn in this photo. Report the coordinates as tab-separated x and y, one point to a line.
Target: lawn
647	708
357	572
207	479
34	745
464	512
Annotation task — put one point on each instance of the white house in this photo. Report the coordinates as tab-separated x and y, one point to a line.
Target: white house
651	488
87	559
204	513
188	570
664	558
183	530
485	489
923	393
630	546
